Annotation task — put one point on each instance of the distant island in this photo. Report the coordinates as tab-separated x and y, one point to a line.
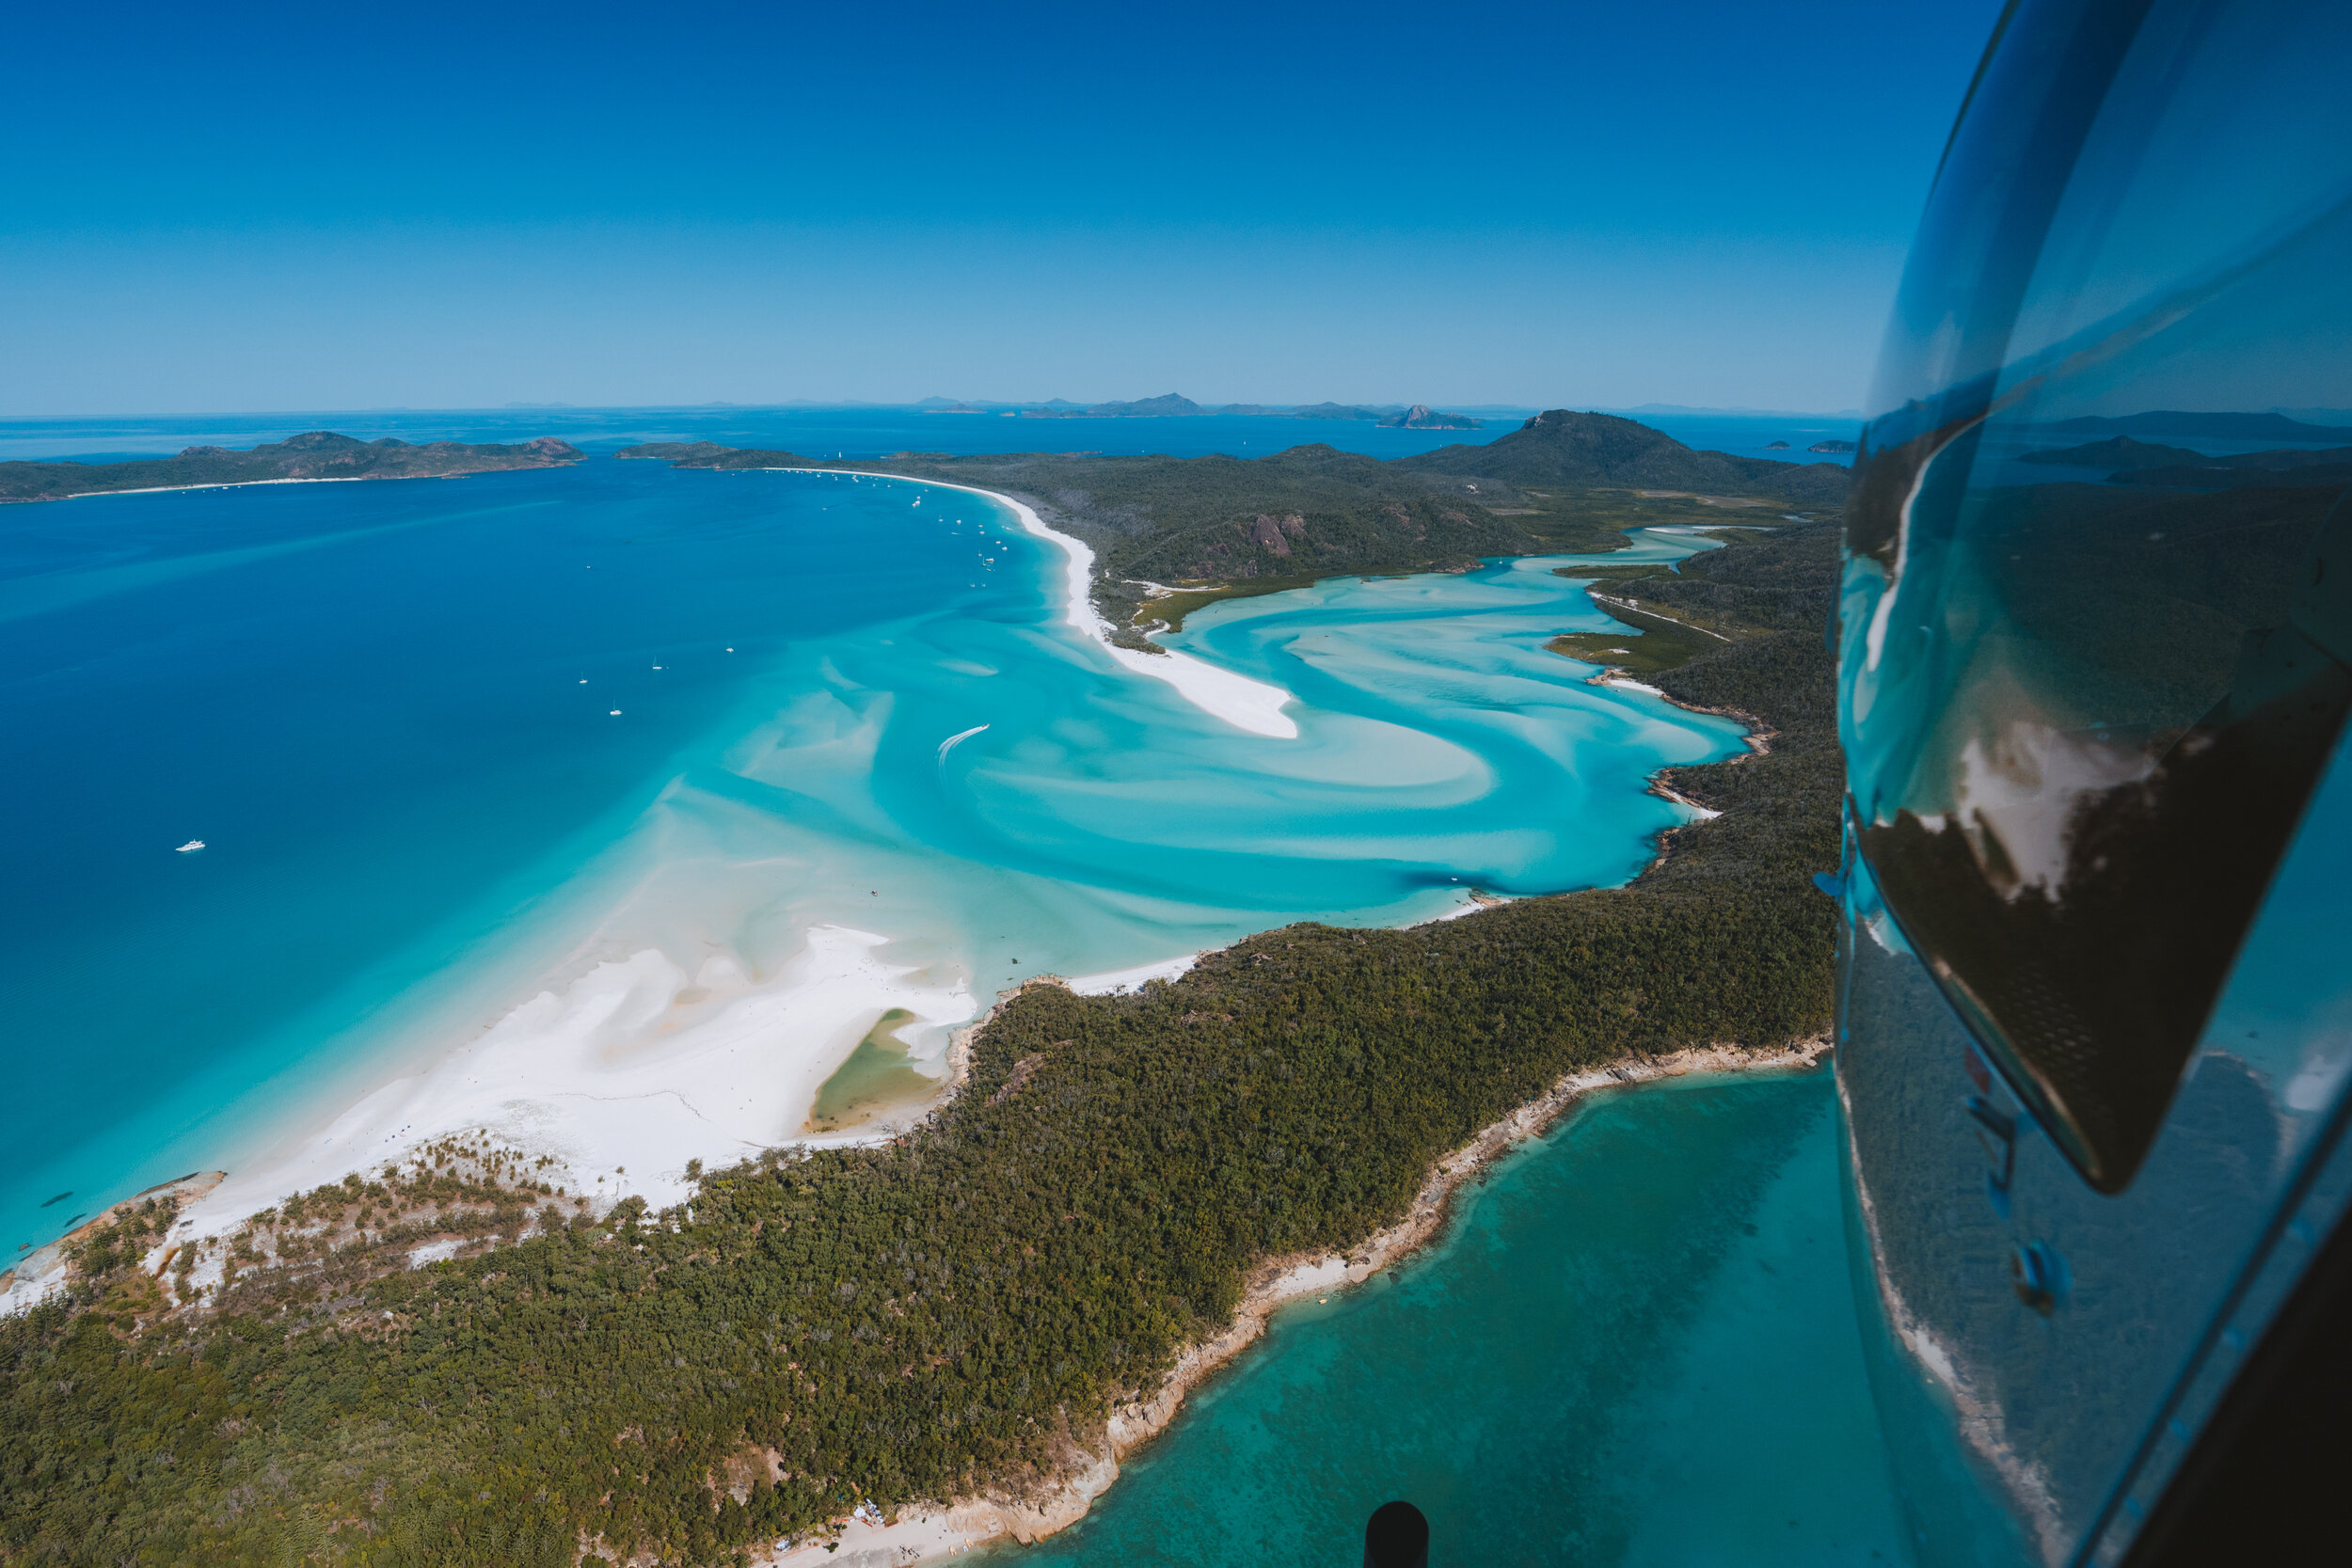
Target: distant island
1832	447
316	455
2156	465
1419	417
1173	405
1167	405
1776	445
2117	451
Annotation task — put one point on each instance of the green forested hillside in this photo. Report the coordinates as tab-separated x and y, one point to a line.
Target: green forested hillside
1227	523
1189	519
1217	525
941	1315
1559	447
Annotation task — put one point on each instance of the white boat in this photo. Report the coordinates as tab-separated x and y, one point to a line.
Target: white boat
190	846
949	744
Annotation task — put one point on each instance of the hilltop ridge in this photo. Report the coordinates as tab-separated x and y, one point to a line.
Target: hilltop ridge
1562	447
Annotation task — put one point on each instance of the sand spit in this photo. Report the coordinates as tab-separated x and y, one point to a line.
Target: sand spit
225	484
1245	704
1665	791
247	483
926	1531
1251	705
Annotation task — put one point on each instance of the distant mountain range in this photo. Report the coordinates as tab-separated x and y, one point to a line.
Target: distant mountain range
1174	406
2178	425
1741	413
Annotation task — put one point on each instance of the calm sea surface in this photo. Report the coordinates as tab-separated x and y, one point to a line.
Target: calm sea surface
858	433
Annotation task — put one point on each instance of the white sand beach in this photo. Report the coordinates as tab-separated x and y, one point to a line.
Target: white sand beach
1129	979
626	1074
1249	704
1245	704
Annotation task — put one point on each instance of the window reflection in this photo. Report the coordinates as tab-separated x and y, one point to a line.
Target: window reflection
2096	647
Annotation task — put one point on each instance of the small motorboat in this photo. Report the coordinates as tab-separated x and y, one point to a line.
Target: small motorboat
190	847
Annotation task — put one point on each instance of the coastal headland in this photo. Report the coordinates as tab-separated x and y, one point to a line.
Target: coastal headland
919	1533
318	455
984	1309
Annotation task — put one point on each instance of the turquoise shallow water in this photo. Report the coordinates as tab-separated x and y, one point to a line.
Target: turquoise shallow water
387	709
1634	1346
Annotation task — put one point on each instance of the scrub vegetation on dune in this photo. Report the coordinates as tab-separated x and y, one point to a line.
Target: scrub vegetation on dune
950	1314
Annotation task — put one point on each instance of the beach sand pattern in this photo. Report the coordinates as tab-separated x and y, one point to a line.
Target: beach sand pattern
870	757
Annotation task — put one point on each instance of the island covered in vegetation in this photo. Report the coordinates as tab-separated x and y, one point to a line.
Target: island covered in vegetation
960	1312
313	455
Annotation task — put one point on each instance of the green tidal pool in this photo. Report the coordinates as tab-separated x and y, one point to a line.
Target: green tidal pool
1635	1344
875	1078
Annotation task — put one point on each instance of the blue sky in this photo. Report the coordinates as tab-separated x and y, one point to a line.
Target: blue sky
272	207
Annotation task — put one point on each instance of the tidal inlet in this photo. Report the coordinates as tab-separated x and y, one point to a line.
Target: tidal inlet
993	993
702	812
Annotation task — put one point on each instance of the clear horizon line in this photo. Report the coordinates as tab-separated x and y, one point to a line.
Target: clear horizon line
516	406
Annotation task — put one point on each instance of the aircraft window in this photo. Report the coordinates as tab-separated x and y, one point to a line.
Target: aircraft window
2098	608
